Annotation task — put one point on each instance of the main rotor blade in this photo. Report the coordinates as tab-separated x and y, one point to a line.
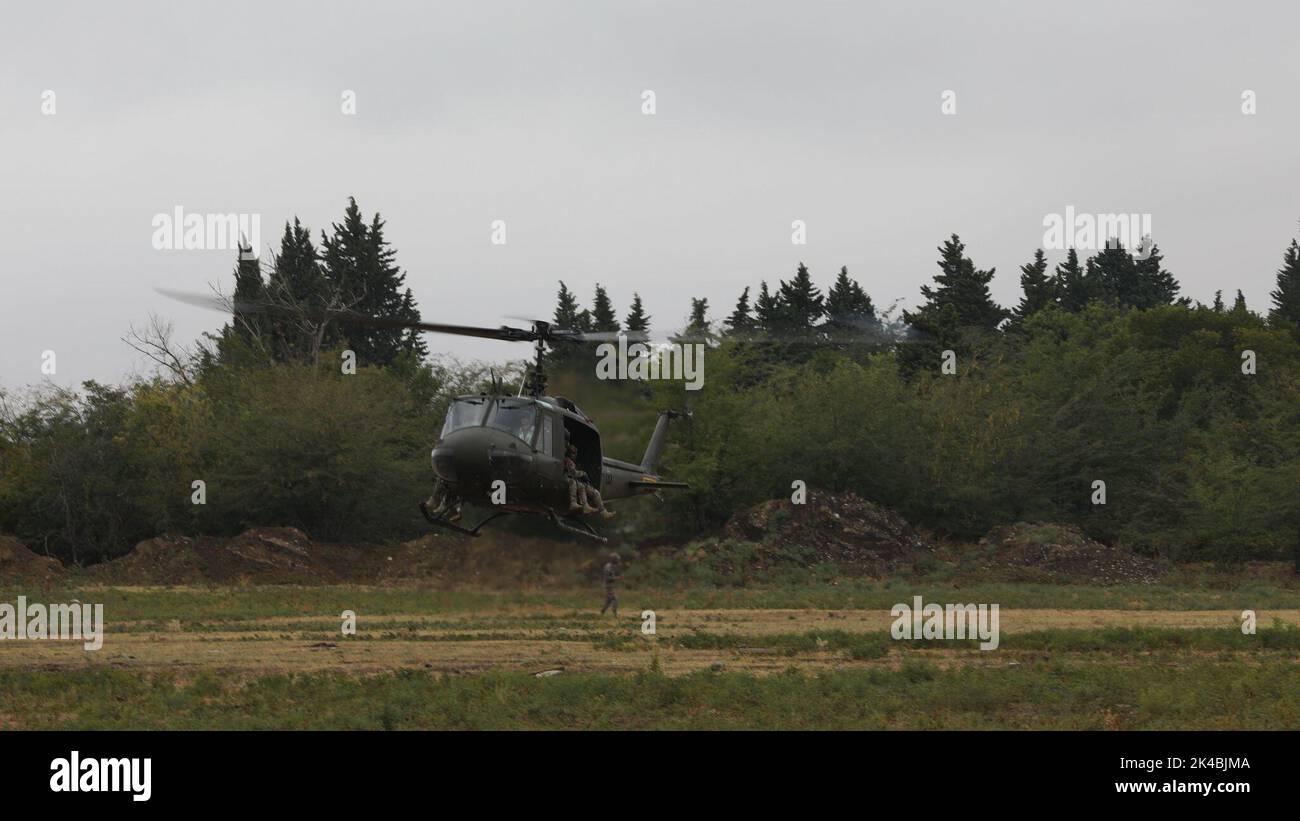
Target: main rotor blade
603	336
530	319
816	337
323	314
504	332
210	301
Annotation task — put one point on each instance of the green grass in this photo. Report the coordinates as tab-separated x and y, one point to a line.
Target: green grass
1112	677
918	695
1110	640
231	604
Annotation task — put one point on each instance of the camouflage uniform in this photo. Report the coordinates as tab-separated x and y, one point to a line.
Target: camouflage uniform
577	488
583	492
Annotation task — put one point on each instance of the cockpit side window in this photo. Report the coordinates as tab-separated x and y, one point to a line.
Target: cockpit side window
463	413
545	445
516	417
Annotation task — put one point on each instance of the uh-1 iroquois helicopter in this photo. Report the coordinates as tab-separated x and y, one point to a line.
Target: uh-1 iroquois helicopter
507	451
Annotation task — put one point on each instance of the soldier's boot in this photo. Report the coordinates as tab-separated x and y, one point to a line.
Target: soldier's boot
605	513
436	504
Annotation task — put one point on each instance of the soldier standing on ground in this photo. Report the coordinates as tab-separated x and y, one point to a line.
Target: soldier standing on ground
610	576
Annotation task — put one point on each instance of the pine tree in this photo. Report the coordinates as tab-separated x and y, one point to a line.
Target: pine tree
297	283
1120	278
1218	302
1113	277
741	322
244	339
1239	308
567	316
1156	286
637	324
603	317
849	311
802	305
963	287
296	276
637	321
697	324
767	309
359	266
1039	288
412	342
961	303
1286	299
249	290
566	308
1094	286
1068	283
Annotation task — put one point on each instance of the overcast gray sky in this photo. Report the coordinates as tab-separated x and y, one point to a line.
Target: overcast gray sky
530	112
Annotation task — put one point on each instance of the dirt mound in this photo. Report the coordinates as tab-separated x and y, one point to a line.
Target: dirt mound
18	564
843	530
284	555
271	551
268	555
1025	552
160	560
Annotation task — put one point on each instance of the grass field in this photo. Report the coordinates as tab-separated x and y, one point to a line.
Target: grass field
782	657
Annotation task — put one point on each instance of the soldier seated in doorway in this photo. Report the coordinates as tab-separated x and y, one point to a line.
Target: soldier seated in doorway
583	495
577	487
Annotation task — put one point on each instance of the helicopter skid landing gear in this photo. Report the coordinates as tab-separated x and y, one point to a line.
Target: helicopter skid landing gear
578	526
440	521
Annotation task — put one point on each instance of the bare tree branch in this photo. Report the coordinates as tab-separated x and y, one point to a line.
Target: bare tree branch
154	342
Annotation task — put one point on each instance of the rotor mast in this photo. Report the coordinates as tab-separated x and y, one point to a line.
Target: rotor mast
536	374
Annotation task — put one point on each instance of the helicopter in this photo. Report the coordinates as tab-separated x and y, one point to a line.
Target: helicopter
503	451
508	451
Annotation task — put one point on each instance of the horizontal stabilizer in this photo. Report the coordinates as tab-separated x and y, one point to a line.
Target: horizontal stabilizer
656	485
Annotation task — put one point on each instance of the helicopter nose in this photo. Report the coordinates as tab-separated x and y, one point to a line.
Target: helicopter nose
462	463
444	463
510	462
479	456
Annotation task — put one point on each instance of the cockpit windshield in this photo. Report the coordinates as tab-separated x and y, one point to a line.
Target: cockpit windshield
463	413
517	417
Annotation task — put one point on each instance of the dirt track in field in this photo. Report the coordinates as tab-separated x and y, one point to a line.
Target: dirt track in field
539	639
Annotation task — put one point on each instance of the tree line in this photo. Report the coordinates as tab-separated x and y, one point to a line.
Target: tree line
958	301
1101	372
